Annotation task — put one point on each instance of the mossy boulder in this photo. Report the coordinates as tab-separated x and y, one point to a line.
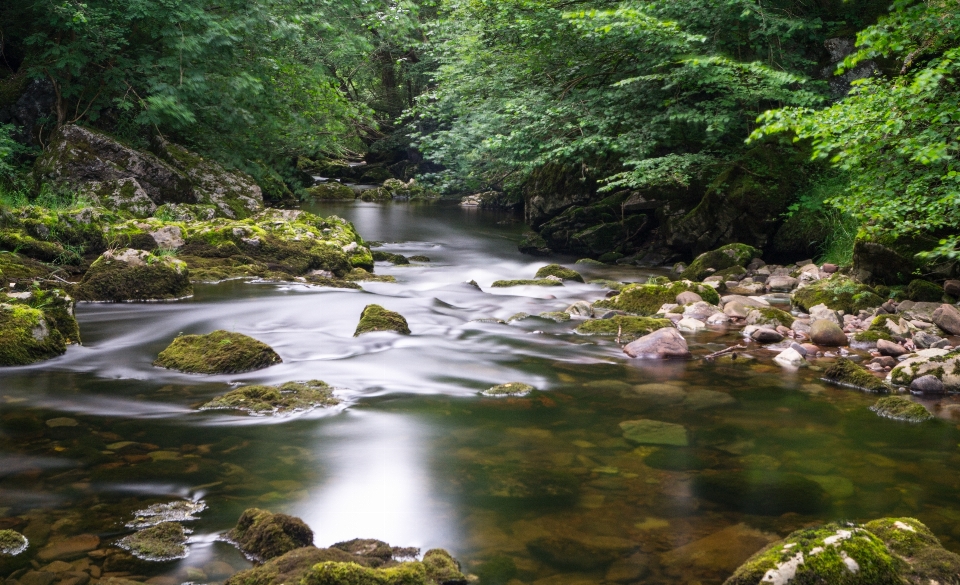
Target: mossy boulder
770	316
527	282
57	307
560	272
724	257
646	299
220	352
901	408
891	551
263	535
442	568
395	259
12	543
509	389
533	243
839	293
331	573
28	335
164	542
397	189
332	191
15	268
376	318
889	260
135	275
626	326
289	397
924	291
292	566
847	373
943	365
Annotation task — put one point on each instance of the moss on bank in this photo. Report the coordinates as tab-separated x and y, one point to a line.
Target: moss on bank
292	396
376	318
220	352
135	275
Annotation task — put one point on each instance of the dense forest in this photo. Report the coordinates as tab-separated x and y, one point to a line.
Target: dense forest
640	132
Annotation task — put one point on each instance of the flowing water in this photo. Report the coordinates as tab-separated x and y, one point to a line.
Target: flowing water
542	488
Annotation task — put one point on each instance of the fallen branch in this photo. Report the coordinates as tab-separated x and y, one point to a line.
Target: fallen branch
731	349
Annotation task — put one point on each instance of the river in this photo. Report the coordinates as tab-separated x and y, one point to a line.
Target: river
542	488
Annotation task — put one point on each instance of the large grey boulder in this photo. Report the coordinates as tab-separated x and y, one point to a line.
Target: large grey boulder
947	317
663	343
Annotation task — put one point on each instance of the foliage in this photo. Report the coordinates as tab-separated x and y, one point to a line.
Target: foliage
896	135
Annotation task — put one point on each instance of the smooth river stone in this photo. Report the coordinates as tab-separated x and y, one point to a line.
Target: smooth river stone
654	432
663	343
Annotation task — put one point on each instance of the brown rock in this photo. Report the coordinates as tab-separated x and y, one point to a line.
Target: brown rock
830	268
827	333
764	335
687	297
663	343
890	348
69	548
947	317
811	348
884	361
952	288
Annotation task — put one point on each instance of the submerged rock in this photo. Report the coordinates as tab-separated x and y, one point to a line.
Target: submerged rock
376	318
579	554
220	352
560	272
509	389
135	275
761	492
627	327
262	535
664	343
12	543
27	335
891	551
654	432
900	408
289	397
164	542
846	373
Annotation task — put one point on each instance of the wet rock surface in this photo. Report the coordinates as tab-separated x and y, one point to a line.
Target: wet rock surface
263	535
376	318
220	352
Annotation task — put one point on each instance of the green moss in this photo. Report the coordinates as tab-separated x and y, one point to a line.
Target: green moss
528	282
375	175
27	336
510	389
292	396
560	272
722	258
220	352
924	291
164	542
420	258
872	335
131	275
900	408
361	275
331	573
772	315
376	318
847	373
611	284
12	543
729	273
332	191
646	299
558	316
629	328
395	259
263	535
442	567
15	267
534	244
839	293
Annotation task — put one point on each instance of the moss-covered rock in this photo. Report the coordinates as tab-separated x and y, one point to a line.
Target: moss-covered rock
627	327
292	566
332	191
558	316
331	573
442	568
376	318
27	335
397	189
924	291
15	268
945	366
533	243
164	542
289	397
882	552
361	275
725	257
901	408
509	389
595	229
220	352
846	373
839	293
395	259
560	272
420	258
770	316
12	543
646	299
527	282
263	535
135	275
887	259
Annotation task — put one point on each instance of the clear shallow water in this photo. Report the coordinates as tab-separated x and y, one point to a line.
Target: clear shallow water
540	488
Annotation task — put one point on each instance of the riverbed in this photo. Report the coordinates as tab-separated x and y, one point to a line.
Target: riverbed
542	488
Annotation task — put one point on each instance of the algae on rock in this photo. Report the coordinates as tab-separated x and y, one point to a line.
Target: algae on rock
220	352
163	542
901	408
27	335
839	293
135	275
527	282
846	373
289	397
376	318
332	191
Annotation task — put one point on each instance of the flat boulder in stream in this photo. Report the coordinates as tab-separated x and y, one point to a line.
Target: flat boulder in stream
164	542
289	397
846	373
135	275
220	352
663	343
262	535
376	318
